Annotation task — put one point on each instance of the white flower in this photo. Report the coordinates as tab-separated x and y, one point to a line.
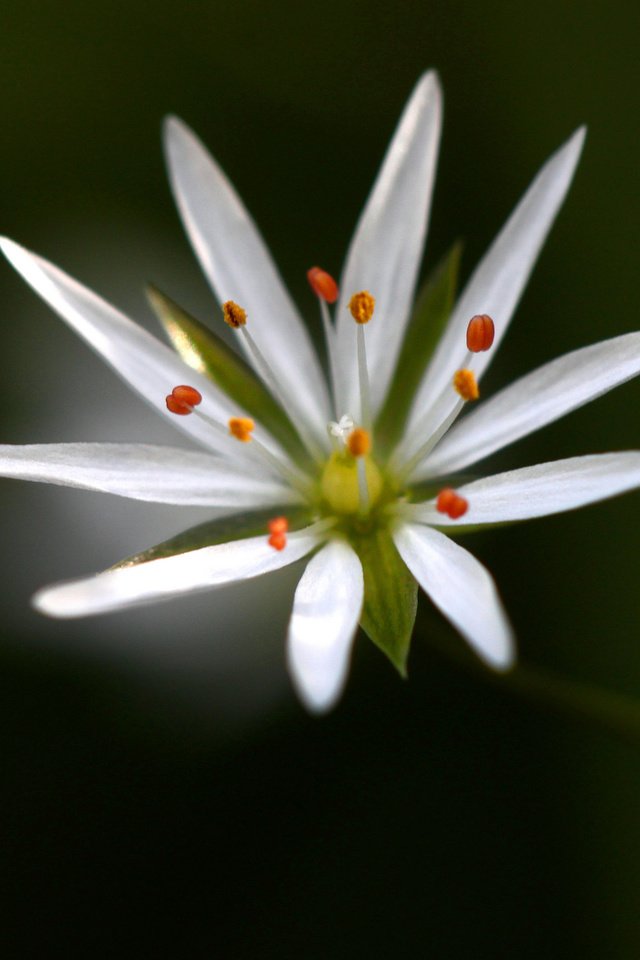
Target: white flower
363	509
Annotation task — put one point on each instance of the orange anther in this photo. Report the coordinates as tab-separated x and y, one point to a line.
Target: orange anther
480	333
183	399
323	284
362	306
241	428
465	384
359	442
233	314
451	503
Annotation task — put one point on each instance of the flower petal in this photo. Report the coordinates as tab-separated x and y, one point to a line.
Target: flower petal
461	588
542	489
144	472
147	365
386	249
180	574
535	400
325	616
239	267
498	281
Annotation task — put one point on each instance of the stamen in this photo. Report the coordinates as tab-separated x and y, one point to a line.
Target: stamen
183	399
326	289
359	442
278	529
233	314
480	333
241	428
465	384
359	445
323	284
480	336
362	306
451	503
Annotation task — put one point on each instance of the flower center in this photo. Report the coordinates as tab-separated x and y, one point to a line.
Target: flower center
341	482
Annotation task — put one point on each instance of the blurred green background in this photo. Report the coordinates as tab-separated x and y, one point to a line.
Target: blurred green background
163	791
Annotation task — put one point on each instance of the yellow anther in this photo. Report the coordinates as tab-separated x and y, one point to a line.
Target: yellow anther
361	306
241	428
359	442
464	383
233	314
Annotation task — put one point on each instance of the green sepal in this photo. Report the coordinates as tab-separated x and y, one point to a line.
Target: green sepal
431	312
239	526
205	352
390	595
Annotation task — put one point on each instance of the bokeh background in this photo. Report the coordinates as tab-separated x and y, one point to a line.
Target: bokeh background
163	791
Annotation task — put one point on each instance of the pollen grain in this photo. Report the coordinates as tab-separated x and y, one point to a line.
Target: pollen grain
359	442
465	384
362	306
233	314
241	428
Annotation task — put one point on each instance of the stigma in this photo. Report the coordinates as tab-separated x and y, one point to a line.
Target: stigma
480	333
278	528
362	306
183	399
323	284
451	503
233	315
241	428
465	384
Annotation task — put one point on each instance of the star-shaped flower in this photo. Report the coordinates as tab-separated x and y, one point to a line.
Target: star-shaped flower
359	473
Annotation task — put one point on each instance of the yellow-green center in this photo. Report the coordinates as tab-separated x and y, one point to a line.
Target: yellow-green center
340	486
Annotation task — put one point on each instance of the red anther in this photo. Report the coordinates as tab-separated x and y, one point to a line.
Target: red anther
278	525
278	529
183	399
175	406
480	333
451	503
323	284
458	508
445	498
188	395
278	541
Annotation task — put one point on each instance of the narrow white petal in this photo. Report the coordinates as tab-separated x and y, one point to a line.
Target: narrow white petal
326	611
144	472
497	283
147	365
239	267
183	573
461	588
386	249
535	400
542	489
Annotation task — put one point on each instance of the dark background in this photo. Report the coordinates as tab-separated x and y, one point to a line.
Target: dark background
163	791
